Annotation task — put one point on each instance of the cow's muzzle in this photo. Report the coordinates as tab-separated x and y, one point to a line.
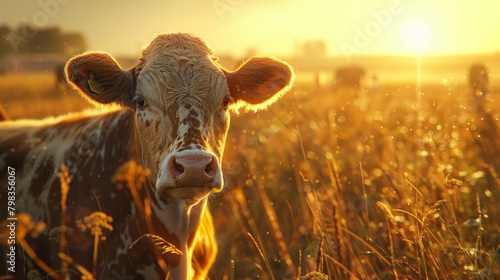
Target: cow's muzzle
191	174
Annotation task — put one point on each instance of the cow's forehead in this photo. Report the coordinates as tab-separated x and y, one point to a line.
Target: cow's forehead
174	50
177	42
178	66
181	79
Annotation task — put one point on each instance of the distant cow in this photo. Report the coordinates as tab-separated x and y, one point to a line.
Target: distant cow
173	122
3	114
479	79
350	76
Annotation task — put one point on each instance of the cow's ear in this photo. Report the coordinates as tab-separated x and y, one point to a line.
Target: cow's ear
259	82
99	78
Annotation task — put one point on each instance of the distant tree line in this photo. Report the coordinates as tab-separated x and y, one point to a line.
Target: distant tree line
25	39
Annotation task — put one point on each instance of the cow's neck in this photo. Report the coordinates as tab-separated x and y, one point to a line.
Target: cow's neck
182	221
181	218
175	221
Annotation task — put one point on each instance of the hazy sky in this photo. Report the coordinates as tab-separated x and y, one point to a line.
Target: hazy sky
273	27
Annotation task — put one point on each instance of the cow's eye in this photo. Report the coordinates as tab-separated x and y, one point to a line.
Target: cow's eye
225	102
140	101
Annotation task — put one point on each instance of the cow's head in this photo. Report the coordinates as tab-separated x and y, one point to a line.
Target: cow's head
181	98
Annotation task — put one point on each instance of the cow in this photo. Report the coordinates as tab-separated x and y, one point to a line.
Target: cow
170	123
479	86
479	78
3	114
349	76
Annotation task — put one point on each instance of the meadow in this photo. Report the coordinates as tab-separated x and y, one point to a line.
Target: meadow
393	182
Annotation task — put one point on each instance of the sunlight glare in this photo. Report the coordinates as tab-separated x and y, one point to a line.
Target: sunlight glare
416	34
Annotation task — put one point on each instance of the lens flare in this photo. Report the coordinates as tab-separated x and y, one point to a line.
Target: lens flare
416	34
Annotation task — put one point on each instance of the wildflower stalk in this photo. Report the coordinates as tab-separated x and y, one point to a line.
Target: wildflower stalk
31	253
63	241
96	222
94	256
85	273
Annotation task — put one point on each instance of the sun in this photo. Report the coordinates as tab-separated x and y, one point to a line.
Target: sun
416	34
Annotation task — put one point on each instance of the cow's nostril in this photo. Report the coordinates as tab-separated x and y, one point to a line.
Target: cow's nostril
209	167
178	167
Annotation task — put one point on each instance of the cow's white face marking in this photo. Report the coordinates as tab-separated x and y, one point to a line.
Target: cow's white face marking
181	110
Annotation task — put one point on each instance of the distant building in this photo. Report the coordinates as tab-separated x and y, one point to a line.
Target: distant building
311	55
315	49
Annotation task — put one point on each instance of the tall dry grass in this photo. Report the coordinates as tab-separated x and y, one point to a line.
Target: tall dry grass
362	185
375	184
37	95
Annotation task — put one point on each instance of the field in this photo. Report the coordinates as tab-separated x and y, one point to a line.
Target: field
394	182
